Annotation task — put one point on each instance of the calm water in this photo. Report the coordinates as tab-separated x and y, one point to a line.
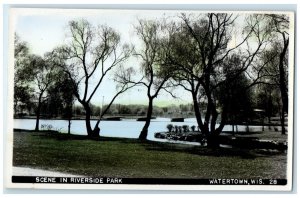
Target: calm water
127	128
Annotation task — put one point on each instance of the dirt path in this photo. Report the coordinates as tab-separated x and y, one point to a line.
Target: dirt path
23	171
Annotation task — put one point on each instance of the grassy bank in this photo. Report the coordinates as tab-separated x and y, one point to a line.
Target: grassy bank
119	157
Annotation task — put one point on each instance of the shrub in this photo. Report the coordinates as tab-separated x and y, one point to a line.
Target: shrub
193	128
176	128
179	128
185	128
49	127
46	126
170	127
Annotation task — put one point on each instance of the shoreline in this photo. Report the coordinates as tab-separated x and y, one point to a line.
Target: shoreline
134	119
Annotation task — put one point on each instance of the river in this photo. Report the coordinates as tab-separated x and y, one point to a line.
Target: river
127	128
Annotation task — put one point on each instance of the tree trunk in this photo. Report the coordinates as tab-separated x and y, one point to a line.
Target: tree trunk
198	114
282	80
282	122
69	115
213	139
15	107
38	112
69	126
88	119
144	132
282	85
214	118
96	131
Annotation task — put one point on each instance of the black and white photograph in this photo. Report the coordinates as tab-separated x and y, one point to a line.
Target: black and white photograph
150	99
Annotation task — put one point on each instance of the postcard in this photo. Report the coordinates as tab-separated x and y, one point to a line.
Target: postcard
149	99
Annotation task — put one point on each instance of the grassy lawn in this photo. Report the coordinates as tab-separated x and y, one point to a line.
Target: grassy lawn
120	157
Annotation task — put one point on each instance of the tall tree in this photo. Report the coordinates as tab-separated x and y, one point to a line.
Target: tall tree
44	74
91	54
279	26
152	35
61	98
235	94
201	45
22	76
33	78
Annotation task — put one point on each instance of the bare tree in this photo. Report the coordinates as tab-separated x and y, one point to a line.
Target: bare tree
279	25
155	74
92	53
44	75
201	48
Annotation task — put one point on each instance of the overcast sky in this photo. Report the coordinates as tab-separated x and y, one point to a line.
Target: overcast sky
44	29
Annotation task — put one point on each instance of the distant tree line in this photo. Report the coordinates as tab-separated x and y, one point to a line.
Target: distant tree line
56	109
